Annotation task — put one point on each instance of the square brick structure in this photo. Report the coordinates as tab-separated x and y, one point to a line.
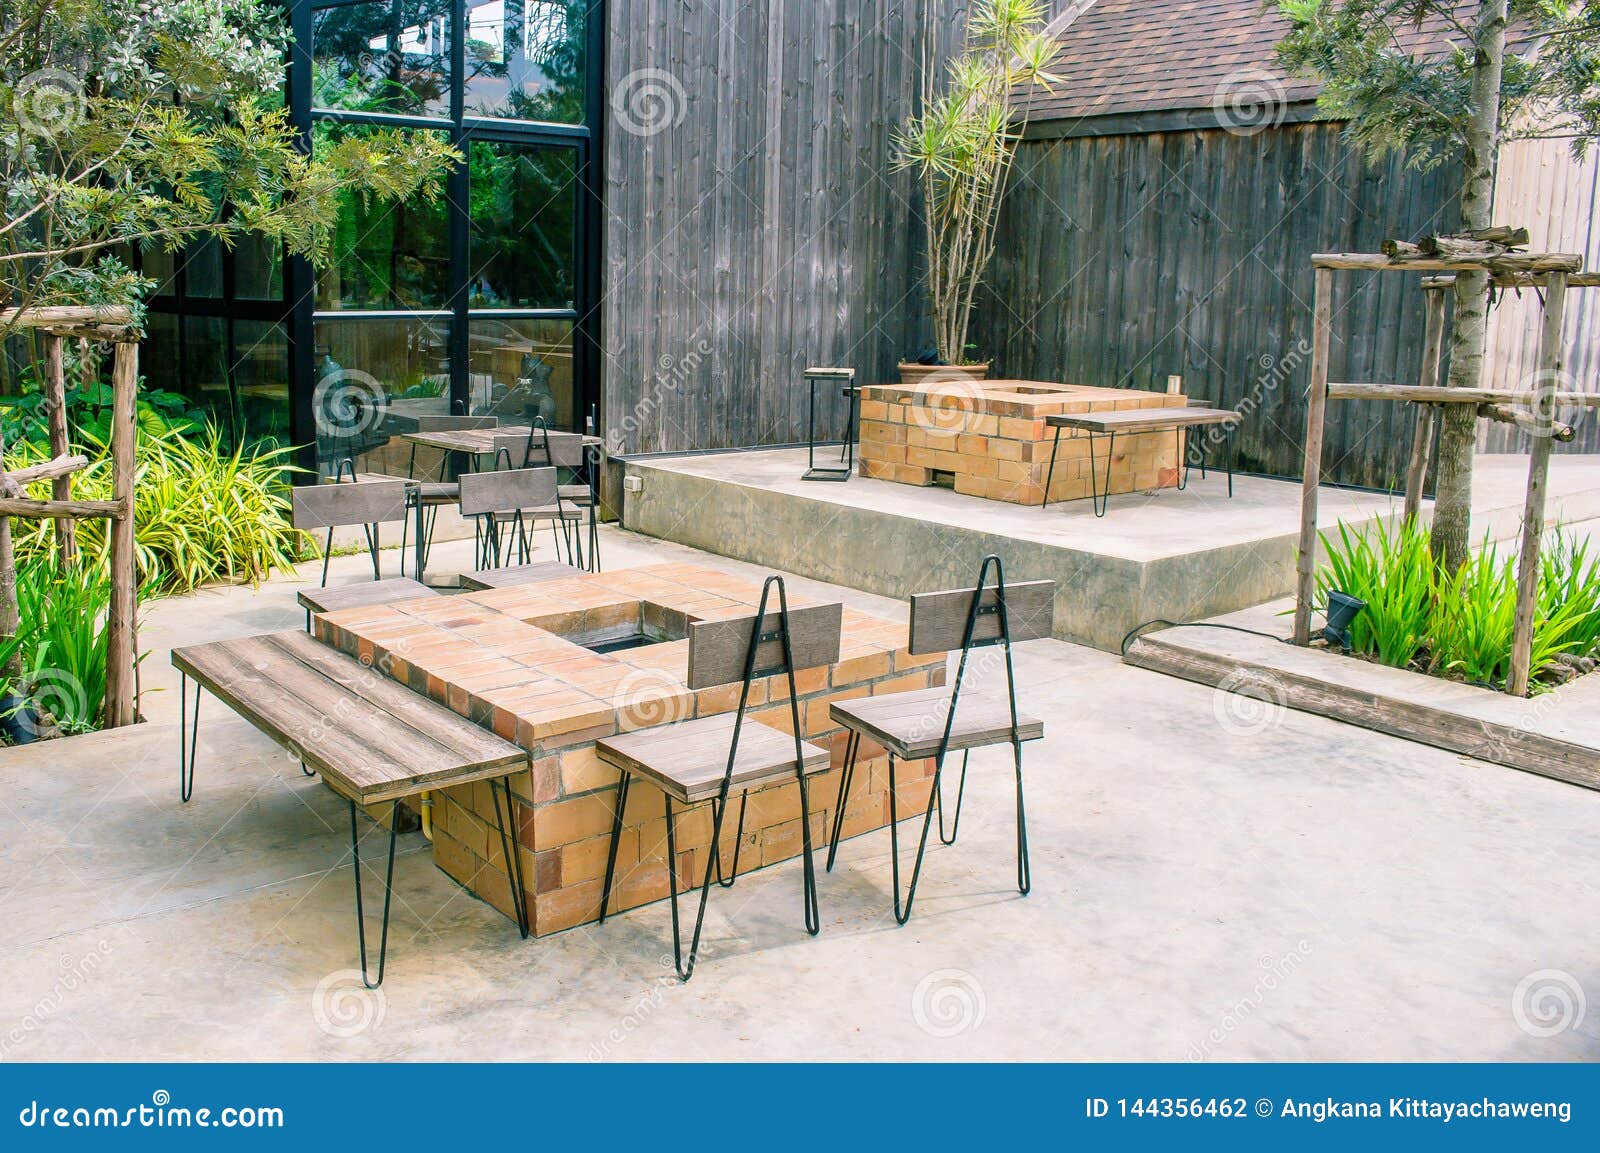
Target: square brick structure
515	660
990	436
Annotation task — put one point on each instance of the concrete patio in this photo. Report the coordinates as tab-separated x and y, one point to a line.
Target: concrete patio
1213	879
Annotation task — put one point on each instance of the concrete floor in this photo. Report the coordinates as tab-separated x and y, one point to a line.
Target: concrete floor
1210	881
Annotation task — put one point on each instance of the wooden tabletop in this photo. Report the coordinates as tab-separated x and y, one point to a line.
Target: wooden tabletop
480	441
1144	419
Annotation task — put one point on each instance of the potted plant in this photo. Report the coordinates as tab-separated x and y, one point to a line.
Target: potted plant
961	147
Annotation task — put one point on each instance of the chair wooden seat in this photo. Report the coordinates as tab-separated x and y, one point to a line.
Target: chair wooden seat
911	724
520	574
689	759
388	591
548	512
432	492
576	493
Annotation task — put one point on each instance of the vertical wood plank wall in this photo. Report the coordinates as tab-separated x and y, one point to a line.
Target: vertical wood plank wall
765	230
1123	259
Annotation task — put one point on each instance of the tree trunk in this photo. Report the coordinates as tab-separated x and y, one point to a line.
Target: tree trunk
1458	424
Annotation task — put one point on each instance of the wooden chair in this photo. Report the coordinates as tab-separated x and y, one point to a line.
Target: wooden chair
500	500
368	504
935	722
704	760
543	447
432	495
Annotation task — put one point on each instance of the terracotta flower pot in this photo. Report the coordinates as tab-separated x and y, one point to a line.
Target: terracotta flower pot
917	373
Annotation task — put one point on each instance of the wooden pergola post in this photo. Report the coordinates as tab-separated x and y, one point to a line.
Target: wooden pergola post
1432	357
1316	421
55	402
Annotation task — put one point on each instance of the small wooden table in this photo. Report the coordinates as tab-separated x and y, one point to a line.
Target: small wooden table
1180	419
480	441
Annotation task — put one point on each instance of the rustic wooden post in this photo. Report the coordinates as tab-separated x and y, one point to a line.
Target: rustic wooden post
1316	414
10	617
55	402
1544	410
1432	355
121	622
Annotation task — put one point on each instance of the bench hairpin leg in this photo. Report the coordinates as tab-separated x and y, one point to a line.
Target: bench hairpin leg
851	747
512	851
1102	499
186	763
388	893
1049	476
961	789
738	836
623	782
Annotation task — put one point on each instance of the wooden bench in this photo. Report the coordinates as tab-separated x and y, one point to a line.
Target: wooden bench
518	574
1179	418
380	592
372	739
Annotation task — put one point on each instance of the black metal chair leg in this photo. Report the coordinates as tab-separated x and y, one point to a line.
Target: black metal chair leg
616	835
1024	871
811	910
685	972
851	748
961	789
186	764
307	772
388	893
738	838
902	915
513	853
327	558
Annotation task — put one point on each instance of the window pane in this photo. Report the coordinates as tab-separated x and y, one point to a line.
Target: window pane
257	269
160	266
382	57
202	269
386	254
205	370
374	378
525	59
524	226
261	380
519	369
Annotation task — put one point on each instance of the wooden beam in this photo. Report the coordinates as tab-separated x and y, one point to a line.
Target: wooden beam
1422	437
112	315
1517	280
1416	394
1316	413
1550	361
53	509
1510	263
1525	419
52	470
55	401
121	620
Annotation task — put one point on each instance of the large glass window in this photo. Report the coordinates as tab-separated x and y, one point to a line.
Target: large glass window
520	369
524	226
383	57
374	379
525	59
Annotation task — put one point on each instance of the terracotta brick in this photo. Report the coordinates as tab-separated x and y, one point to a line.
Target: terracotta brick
566	907
583	771
571	820
547	873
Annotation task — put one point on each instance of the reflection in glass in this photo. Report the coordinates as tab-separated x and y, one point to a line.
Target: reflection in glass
525	59
386	254
160	266
205	370
524	226
375	379
202	269
261	381
257	269
382	57
519	369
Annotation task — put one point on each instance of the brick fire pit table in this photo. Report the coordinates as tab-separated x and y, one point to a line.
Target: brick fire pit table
558	665
990	438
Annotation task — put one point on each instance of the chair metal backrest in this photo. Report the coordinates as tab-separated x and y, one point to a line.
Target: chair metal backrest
986	614
508	490
541	448
315	506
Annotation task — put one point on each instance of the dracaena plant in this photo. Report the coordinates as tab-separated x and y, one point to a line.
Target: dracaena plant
961	147
156	123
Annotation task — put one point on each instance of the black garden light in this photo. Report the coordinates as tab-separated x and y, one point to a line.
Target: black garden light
1342	612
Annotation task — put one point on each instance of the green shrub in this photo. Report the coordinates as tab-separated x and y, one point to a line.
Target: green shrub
201	514
1459	625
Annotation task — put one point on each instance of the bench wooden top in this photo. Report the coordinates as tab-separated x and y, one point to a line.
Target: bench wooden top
370	737
352	596
688	760
521	574
1143	419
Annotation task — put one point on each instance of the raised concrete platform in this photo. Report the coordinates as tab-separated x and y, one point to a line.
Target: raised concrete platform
1178	555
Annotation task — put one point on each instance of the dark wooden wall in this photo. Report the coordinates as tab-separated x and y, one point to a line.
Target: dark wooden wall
764	231
1123	259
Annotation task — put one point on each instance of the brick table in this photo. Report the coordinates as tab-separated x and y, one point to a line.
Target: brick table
990	437
511	660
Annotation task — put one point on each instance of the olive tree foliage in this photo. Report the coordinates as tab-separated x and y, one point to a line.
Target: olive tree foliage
155	123
1449	82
